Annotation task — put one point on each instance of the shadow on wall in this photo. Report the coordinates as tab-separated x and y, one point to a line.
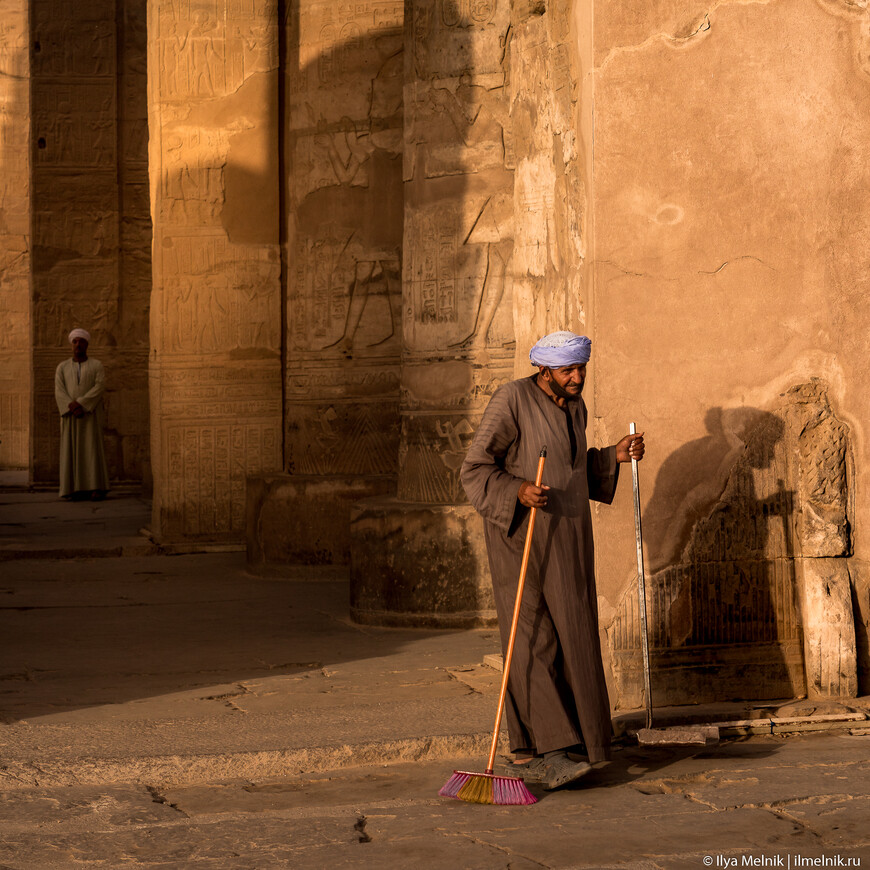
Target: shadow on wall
342	231
737	521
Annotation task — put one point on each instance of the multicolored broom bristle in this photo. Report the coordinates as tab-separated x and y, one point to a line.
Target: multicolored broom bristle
487	788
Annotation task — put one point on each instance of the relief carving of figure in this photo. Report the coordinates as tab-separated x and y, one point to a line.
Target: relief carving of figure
494	227
366	200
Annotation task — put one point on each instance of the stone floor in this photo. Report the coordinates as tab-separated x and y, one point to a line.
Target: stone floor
173	711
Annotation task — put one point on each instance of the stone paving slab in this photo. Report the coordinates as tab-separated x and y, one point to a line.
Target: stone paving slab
114	669
390	816
173	711
37	525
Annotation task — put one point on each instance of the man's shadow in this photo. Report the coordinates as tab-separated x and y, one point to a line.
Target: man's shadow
721	595
636	765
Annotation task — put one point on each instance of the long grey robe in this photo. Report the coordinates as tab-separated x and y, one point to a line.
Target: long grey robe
556	691
82	456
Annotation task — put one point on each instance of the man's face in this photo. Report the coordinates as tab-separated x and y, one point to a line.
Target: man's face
80	348
566	382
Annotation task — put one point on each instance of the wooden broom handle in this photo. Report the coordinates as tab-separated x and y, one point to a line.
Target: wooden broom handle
510	648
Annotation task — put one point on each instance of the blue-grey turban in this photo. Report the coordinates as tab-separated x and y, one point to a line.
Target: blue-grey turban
561	349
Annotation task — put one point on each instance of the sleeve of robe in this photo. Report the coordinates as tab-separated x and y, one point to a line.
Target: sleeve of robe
490	489
92	397
602	469
61	396
602	472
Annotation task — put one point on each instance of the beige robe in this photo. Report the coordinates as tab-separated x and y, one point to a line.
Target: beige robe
557	695
82	456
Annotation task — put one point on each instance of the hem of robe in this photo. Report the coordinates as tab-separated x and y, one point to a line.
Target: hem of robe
594	752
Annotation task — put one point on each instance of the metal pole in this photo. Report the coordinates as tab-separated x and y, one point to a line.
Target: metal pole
641	587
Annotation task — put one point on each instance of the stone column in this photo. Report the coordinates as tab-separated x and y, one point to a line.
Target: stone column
420	560
75	203
91	224
128	401
215	372
15	337
343	175
548	113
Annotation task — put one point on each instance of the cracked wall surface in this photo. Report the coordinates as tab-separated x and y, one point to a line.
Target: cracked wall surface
730	143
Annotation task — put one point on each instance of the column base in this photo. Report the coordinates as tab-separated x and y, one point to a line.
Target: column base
295	520
419	565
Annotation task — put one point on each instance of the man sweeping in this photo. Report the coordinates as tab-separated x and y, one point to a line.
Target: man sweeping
557	698
79	384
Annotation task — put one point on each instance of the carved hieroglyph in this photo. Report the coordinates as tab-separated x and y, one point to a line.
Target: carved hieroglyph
759	588
215	315
459	235
343	80
90	217
14	234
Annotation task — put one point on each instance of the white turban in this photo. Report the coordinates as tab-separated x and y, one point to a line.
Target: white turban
80	333
561	349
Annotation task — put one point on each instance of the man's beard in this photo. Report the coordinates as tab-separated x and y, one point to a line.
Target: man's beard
561	393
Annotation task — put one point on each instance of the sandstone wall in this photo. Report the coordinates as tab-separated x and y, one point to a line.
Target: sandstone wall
15	192
91	231
730	255
215	370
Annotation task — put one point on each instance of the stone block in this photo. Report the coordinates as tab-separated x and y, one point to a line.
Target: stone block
419	565
829	629
705	674
297	520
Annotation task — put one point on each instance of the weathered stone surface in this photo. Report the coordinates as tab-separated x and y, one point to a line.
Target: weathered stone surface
91	225
747	586
216	371
457	329
343	157
780	805
295	520
830	655
15	234
709	159
455	179
552	178
700	735
419	564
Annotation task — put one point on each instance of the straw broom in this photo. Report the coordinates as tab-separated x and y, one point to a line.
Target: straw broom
486	787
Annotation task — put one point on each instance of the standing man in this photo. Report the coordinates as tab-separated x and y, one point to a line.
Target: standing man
79	384
557	698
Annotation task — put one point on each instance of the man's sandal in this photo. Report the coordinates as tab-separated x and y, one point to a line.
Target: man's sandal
559	770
